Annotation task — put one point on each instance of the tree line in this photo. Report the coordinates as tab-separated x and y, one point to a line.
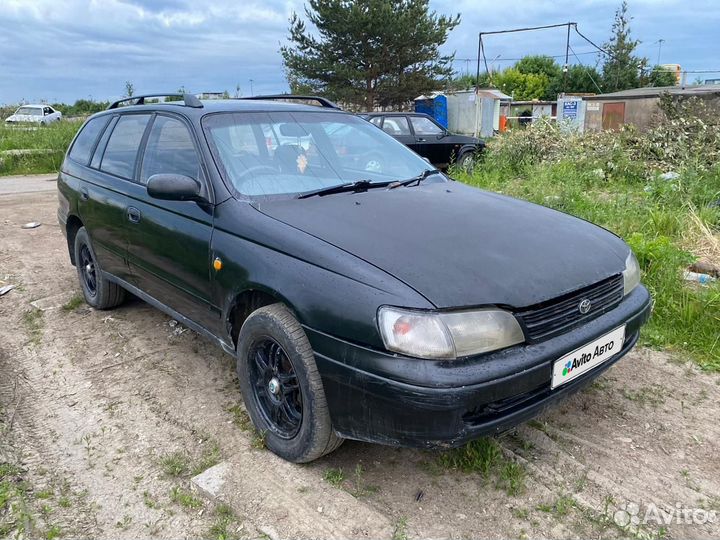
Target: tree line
384	53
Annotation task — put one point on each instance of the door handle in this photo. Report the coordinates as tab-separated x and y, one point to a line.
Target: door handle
84	195
420	139
133	214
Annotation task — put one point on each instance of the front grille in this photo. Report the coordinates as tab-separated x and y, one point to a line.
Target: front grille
561	314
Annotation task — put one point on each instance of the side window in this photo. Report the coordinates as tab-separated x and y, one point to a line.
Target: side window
122	147
377	120
425	126
85	141
396	125
169	150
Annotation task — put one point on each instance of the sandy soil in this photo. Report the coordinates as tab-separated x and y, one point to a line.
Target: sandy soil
95	407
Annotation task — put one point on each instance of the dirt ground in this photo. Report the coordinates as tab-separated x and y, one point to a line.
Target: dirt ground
107	416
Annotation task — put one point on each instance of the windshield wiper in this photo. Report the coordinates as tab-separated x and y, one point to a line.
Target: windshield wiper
356	186
419	178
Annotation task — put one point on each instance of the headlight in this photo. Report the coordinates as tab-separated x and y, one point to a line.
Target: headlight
447	335
631	274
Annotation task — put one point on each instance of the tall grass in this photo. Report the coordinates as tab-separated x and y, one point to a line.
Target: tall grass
26	149
666	222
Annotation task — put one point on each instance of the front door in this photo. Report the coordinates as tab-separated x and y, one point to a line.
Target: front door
429	136
169	241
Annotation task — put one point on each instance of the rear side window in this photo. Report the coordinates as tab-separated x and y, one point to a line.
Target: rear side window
85	141
170	150
396	125
122	147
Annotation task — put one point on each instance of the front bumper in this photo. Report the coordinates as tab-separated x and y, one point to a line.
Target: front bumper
379	397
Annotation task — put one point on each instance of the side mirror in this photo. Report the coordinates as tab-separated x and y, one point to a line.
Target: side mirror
174	187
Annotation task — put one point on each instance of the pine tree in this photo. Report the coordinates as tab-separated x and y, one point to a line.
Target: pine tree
622	68
368	52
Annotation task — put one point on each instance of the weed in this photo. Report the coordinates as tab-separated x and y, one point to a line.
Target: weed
560	507
241	418
53	532
653	395
479	456
512	478
184	498
33	320
175	465
45	494
224	519
334	477
75	302
400	530
360	488
124	523
37	149
64	502
210	457
149	500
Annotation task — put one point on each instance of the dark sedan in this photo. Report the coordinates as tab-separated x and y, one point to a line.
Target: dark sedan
363	293
428	138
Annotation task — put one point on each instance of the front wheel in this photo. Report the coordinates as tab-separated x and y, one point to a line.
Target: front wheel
281	386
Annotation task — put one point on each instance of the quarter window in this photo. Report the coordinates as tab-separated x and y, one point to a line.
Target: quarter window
122	147
170	150
396	125
425	126
85	141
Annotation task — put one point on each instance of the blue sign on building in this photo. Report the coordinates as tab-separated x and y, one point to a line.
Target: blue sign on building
570	109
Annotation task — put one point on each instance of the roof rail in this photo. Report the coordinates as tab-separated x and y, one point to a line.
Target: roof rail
326	103
188	99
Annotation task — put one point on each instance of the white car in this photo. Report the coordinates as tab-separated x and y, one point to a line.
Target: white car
39	114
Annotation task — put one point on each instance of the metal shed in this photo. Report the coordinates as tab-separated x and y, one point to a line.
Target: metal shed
639	106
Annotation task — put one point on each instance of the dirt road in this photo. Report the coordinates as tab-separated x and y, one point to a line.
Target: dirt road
106	416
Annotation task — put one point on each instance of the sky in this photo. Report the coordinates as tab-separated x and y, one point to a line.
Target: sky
60	51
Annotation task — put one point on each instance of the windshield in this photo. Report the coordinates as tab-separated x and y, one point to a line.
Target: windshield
30	111
279	153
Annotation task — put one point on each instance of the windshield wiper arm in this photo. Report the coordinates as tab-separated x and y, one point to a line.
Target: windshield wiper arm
419	178
356	186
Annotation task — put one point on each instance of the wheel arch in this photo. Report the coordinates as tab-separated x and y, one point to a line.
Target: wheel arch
72	226
243	303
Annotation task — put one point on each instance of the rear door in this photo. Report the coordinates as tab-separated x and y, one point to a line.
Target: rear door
169	241
104	186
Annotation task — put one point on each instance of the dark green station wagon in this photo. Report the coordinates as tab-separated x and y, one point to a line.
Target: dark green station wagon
364	294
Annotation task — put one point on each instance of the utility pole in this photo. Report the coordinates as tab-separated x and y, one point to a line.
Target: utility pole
660	42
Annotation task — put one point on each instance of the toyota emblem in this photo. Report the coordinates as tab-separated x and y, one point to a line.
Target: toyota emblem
584	306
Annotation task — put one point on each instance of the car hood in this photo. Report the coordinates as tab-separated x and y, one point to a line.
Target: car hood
460	246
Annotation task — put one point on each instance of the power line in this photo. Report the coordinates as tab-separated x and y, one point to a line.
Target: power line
588	71
481	48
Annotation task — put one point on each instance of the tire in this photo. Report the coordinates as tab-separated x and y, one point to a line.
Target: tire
465	161
98	291
281	386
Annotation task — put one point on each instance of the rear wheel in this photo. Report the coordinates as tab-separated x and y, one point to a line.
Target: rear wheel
281	386
98	291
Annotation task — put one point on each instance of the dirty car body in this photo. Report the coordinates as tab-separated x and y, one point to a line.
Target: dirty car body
435	312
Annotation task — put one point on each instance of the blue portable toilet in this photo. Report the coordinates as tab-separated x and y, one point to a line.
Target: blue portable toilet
434	105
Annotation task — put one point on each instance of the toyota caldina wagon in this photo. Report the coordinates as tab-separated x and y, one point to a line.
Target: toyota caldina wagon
364	294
